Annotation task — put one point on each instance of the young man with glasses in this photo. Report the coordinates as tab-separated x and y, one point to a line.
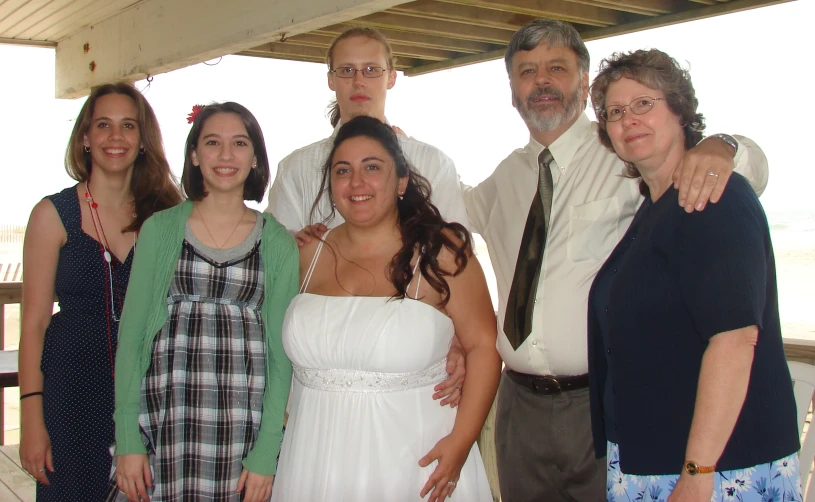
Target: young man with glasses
551	213
360	72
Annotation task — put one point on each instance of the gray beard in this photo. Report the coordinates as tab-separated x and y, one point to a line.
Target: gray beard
549	121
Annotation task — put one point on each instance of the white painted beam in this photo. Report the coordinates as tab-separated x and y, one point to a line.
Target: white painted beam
157	36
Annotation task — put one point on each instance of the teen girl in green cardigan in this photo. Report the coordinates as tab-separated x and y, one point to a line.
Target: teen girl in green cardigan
201	376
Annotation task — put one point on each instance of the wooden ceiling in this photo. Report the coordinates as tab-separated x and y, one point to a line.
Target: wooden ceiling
432	35
427	35
45	22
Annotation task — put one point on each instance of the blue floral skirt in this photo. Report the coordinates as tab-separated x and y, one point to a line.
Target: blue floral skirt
778	481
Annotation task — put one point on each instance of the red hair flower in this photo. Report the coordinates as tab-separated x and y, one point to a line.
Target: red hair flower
196	109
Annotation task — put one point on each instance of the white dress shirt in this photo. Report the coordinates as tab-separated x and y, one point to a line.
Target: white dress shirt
300	174
592	206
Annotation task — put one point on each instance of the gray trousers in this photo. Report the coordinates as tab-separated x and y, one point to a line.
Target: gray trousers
544	447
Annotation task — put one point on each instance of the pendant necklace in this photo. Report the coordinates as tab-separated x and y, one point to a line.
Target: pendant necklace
210	233
113	296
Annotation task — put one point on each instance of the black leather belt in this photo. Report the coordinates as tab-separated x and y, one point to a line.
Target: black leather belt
549	384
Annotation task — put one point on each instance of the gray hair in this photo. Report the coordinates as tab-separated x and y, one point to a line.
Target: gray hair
555	33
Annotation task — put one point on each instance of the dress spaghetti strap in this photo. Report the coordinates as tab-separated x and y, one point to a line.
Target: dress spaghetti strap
419	281
313	263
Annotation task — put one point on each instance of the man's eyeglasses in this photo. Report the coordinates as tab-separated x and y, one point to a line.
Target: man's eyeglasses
351	72
639	106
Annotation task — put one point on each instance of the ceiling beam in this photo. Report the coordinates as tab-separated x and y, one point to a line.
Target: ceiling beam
401	51
641	7
553	9
157	36
654	22
436	27
419	39
462	14
679	17
455	63
276	50
29	43
272	49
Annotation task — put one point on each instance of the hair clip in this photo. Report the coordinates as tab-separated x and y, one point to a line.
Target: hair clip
196	109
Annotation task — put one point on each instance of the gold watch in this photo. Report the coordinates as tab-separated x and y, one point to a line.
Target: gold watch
693	468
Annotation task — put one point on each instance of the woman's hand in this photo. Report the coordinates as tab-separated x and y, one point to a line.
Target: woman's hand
689	488
35	451
451	454
133	476
258	487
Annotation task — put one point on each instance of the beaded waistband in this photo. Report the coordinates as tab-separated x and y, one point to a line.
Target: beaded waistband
369	381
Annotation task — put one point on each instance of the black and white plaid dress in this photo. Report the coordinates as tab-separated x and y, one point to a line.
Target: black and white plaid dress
202	397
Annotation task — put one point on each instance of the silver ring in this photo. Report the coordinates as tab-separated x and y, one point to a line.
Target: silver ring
452	483
41	470
709	173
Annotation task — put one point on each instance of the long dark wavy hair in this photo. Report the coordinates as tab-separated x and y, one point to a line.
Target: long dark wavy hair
152	184
420	222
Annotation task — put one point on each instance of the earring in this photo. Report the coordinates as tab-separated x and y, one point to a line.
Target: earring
401	196
141	151
87	149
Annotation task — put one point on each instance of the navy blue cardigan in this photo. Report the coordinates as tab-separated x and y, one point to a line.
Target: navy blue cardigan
679	280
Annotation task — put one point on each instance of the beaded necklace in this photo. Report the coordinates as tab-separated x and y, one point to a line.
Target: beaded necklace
113	296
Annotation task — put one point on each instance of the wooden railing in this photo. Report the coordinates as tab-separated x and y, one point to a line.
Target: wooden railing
11	293
11	272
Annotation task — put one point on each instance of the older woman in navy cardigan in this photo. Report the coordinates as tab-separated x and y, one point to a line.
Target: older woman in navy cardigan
691	398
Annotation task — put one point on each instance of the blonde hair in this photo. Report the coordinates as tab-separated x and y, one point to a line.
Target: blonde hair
357	31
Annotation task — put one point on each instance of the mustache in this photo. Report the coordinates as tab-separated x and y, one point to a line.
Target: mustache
549	91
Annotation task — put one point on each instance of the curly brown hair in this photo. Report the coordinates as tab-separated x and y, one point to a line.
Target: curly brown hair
657	70
152	184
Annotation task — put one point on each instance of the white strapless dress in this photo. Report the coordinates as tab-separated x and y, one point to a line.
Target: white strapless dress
361	411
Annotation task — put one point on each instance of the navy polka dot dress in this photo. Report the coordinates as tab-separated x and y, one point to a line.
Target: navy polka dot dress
76	363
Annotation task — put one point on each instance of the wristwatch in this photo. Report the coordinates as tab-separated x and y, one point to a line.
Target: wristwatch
693	468
730	140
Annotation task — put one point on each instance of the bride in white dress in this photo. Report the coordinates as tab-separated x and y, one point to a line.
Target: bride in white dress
382	297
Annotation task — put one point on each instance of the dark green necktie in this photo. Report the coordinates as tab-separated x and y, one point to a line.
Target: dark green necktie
521	301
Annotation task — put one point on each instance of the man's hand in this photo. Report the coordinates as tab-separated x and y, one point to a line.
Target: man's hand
450	389
703	173
304	236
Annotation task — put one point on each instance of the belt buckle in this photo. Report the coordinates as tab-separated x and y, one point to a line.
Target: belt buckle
553	379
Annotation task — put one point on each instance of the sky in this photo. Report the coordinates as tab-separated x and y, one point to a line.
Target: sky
752	72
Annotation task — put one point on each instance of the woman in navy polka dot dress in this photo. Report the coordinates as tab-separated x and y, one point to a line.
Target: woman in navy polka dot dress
79	247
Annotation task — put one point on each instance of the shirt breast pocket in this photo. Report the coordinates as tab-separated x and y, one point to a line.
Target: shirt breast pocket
593	230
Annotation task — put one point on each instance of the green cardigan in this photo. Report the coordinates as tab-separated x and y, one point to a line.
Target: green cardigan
145	312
